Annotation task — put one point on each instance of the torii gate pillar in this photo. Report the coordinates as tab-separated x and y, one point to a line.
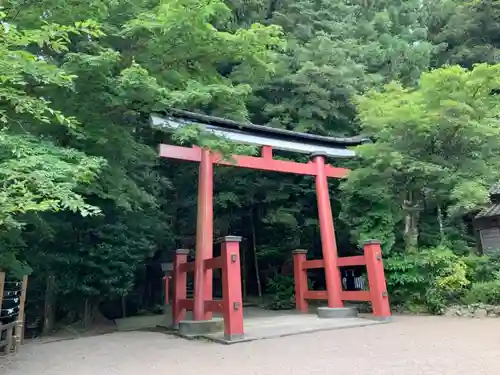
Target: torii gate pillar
203	278
327	232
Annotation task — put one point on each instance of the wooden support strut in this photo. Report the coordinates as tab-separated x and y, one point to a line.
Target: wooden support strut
231	305
180	286
231	288
376	295
300	274
2	286
19	331
7	345
376	279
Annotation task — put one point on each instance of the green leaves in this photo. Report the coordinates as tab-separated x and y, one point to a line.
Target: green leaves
466	31
78	160
430	280
38	176
193	134
336	50
217	68
22	73
440	138
102	87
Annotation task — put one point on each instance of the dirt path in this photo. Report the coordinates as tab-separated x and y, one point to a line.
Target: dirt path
410	345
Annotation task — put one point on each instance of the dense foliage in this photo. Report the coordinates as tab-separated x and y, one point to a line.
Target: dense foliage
90	211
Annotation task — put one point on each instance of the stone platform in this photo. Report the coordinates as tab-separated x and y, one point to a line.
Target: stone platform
263	324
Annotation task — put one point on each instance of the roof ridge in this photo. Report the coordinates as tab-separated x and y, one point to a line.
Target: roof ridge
347	141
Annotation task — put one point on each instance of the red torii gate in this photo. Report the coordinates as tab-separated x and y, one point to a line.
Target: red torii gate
319	148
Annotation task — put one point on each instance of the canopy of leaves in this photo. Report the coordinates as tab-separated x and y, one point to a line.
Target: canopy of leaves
87	204
434	143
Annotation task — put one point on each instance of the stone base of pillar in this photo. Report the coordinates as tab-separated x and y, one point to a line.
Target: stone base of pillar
337	312
200	327
386	319
234	338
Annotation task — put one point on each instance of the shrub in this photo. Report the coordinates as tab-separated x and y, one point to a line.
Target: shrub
428	280
282	288
482	268
484	292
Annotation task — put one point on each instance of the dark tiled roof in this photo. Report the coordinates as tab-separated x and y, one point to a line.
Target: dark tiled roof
495	189
225	123
493	210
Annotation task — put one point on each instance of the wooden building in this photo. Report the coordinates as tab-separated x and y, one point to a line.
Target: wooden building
487	224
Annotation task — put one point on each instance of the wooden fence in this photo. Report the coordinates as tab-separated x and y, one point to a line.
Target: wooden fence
12	301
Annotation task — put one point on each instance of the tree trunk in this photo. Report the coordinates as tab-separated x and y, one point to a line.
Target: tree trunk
411	231
442	235
255	259
49	314
91	313
273	5
87	313
124	306
412	210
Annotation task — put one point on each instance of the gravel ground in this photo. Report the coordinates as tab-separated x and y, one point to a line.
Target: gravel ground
409	346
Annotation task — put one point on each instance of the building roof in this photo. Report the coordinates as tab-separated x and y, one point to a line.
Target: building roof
493	210
338	142
495	189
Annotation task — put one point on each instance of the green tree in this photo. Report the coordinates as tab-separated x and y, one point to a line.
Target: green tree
336	50
75	137
466	31
110	84
36	173
434	145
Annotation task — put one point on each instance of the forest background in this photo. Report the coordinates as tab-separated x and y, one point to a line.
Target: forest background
89	210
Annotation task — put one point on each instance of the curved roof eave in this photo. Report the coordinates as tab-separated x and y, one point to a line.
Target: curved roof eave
341	142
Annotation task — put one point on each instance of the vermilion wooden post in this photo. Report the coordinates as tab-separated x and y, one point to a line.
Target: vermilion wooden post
266	152
203	279
376	279
180	285
231	287
327	231
300	276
